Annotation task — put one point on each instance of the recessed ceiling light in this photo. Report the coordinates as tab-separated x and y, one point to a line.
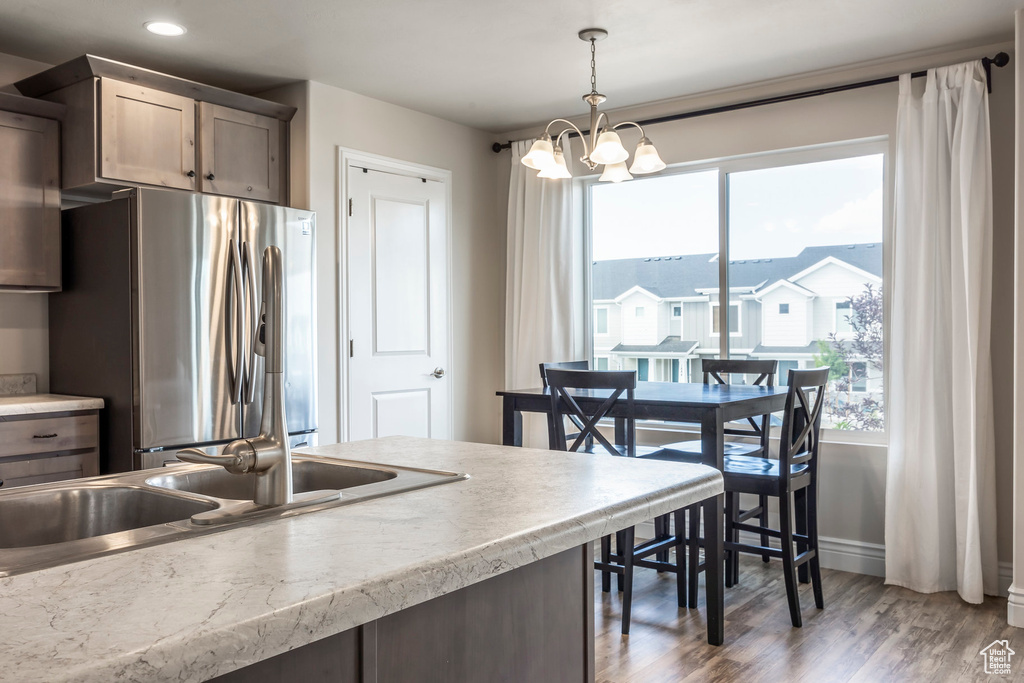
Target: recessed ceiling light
165	28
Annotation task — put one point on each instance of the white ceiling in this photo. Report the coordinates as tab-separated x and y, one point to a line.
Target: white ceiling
499	65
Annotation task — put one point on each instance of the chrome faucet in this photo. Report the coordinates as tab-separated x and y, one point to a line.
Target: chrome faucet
267	455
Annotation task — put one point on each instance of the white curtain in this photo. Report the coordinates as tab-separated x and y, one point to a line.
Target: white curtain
540	320
940	517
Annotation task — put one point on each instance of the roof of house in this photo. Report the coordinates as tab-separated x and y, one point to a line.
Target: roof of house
679	276
669	344
761	349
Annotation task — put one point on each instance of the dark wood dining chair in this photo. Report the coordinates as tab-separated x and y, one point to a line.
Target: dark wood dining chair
793	479
722	371
563	365
612	390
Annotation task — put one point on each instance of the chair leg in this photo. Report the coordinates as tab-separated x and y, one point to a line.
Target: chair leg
731	505
800	509
627	575
679	518
620	545
765	539
812	534
661	529
694	551
606	557
788	568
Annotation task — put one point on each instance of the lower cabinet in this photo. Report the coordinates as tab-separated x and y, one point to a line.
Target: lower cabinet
534	623
36	449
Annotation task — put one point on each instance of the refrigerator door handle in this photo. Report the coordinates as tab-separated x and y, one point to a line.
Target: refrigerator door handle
236	280
249	262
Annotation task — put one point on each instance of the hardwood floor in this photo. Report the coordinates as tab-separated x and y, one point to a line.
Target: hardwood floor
867	633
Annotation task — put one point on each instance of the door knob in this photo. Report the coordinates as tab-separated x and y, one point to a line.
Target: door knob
438	373
209	176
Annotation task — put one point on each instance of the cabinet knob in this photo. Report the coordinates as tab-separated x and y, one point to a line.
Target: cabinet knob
209	176
191	174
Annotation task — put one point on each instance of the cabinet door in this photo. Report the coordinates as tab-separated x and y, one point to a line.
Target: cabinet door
146	136
29	202
240	153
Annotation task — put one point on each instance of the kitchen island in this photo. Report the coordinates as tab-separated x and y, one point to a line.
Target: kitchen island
444	583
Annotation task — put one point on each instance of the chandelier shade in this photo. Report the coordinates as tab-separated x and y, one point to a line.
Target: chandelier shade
558	169
615	173
541	155
609	149
602	145
646	159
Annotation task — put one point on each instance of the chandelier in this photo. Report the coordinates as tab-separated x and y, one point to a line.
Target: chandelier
603	148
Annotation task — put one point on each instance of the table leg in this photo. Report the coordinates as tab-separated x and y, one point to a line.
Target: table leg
511	423
714	560
712	433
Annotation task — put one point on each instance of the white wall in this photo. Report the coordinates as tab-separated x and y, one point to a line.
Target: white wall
330	118
853	475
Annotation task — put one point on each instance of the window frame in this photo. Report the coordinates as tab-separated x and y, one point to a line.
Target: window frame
607	327
739	319
844	334
827	151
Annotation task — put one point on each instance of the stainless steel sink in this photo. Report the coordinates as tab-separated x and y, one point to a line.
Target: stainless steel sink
307	475
34	517
53	524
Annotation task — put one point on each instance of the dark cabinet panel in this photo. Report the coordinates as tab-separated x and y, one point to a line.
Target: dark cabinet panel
240	153
29	203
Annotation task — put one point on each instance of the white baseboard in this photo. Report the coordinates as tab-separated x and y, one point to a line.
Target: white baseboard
1014	605
860	557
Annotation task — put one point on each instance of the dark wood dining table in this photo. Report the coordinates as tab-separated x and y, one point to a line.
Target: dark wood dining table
711	406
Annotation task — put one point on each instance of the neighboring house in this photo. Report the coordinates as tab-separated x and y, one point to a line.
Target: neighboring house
659	316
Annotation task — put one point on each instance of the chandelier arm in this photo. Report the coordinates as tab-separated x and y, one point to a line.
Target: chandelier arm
630	123
574	128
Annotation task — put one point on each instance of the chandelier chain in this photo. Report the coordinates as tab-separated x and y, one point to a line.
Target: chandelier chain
593	66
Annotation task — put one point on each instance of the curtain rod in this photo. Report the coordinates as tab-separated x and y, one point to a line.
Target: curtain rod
1000	60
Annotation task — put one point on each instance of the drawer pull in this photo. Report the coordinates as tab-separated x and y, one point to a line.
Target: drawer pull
45	436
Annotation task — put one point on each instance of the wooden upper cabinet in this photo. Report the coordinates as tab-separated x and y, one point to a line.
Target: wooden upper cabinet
146	136
29	203
126	126
239	153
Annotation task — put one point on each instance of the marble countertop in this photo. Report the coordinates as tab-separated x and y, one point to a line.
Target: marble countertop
31	404
198	608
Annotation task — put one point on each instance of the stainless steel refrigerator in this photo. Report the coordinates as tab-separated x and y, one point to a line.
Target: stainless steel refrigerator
161	295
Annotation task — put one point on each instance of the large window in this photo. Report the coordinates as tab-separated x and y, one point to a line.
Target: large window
800	234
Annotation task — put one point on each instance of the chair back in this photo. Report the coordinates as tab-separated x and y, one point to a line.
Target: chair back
562	365
714	368
801	421
585	411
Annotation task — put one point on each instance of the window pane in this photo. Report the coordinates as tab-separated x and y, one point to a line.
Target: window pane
602	363
601	321
805	250
655	244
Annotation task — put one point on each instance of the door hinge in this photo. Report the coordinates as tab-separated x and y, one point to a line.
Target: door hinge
351	349
349	206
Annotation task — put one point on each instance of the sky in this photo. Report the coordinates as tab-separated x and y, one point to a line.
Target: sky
773	213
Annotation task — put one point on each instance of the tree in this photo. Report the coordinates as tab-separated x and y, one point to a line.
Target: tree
854	359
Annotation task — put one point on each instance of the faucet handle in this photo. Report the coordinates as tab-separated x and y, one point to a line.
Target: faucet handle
239	457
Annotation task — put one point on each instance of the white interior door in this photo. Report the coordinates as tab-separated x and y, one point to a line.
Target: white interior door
397	260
